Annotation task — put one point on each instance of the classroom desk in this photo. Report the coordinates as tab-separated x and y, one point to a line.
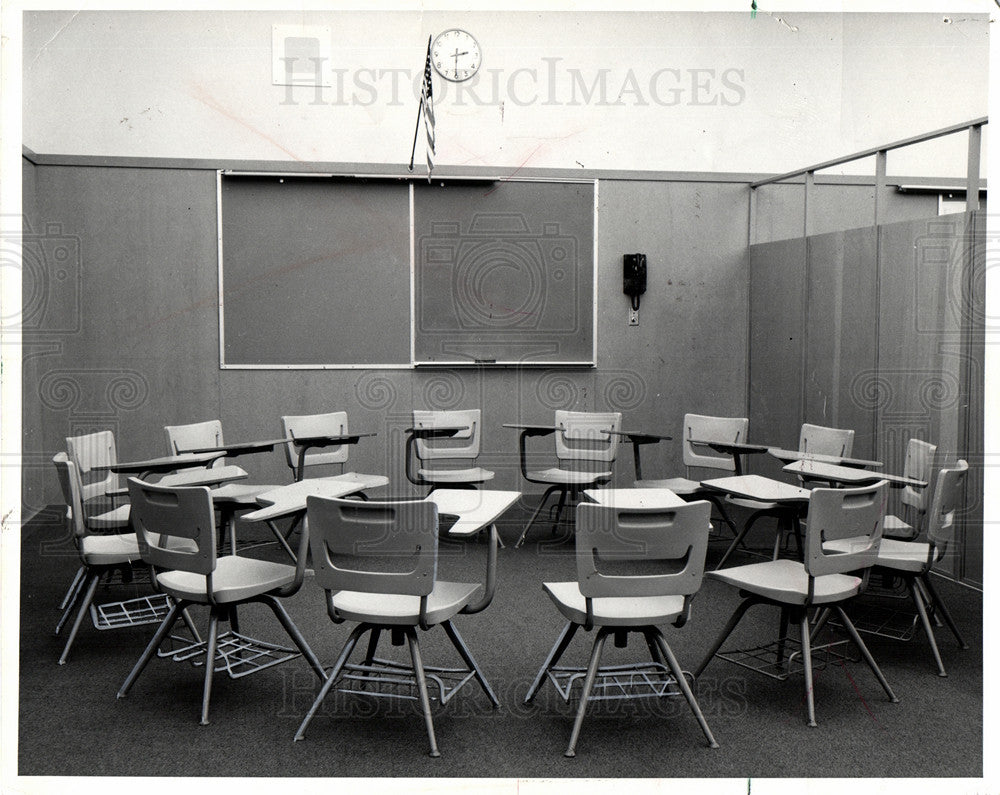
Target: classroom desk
787	456
637	438
437	431
790	502
473	511
635	498
735	449
848	476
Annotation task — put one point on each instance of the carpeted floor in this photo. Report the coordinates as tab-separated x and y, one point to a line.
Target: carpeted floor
70	722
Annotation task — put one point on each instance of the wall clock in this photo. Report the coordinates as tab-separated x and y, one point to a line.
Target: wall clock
456	55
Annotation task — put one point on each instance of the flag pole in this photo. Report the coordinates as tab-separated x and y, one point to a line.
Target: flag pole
420	109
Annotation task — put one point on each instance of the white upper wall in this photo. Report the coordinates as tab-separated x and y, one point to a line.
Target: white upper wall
616	90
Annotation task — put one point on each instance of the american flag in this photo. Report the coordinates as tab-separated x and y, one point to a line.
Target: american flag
427	102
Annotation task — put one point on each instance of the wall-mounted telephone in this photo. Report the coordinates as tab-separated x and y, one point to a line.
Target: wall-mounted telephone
634	278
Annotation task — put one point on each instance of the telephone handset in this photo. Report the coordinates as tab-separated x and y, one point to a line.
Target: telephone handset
634	278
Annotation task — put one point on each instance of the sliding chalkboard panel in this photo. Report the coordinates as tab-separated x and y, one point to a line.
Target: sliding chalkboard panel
504	273
315	271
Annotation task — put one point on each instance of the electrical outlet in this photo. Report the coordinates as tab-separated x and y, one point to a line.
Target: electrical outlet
633	317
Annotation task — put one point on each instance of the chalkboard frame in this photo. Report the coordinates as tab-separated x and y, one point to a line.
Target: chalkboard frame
588	266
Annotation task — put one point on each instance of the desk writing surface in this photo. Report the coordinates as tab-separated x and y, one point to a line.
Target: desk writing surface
635	498
820	470
795	455
729	447
162	463
291	499
474	509
756	487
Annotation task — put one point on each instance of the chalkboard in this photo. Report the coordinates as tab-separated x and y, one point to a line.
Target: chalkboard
318	271
504	273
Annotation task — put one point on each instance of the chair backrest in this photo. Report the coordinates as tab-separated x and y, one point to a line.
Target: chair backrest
714	429
161	514
948	496
69	481
305	425
919	464
373	547
462	445
194	436
584	435
821	440
853	515
89	451
672	541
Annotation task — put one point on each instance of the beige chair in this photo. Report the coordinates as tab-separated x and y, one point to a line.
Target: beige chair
919	465
90	452
194	574
814	439
229	499
852	518
334	424
377	562
702	427
446	445
100	555
912	561
637	568
586	444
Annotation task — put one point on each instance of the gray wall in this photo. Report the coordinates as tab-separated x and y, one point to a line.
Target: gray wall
880	330
145	353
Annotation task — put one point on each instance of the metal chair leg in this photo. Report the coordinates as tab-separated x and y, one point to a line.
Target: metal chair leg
161	632
293	632
588	685
213	639
538	510
918	601
88	597
470	661
740	536
559	509
562	642
345	653
807	668
675	669
945	614
190	625
425	701
74	589
853	632
734	619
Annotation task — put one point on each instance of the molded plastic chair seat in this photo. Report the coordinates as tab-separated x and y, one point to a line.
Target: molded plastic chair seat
787	581
851	518
452	476
109	550
235	578
679	486
443	603
165	515
619	611
110	520
570	478
636	568
896	554
377	564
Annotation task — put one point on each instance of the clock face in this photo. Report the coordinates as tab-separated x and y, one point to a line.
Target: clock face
456	55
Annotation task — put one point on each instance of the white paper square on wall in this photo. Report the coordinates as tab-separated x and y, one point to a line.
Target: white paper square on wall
301	55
